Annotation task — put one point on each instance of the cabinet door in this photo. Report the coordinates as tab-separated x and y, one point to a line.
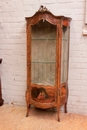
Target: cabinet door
43	53
43	61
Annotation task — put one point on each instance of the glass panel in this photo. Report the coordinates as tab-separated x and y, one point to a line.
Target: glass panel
43	53
65	51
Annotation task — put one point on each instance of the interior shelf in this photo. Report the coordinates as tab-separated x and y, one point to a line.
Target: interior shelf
42	62
43	39
47	39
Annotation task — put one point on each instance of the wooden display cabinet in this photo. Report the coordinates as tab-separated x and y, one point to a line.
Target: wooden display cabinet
47	60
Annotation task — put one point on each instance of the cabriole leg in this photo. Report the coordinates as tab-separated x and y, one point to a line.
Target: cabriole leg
65	107
58	115
28	103
28	110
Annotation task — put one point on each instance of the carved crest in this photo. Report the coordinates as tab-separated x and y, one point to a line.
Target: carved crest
43	9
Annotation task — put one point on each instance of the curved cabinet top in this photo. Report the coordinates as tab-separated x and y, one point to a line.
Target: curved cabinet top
45	14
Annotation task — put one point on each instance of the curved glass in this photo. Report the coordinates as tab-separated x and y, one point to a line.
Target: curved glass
65	53
43	53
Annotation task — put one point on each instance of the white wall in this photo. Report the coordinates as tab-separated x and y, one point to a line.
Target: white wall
13	49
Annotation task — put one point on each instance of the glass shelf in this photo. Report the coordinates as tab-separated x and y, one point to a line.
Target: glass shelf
42	62
47	39
43	39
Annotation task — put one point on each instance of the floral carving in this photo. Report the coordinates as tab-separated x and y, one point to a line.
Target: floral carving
43	9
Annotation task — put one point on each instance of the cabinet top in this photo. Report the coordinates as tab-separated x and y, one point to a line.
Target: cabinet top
45	14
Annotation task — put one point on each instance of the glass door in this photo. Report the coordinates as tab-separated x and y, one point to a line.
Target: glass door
43	53
43	60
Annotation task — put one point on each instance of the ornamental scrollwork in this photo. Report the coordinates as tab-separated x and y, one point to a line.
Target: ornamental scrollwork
43	9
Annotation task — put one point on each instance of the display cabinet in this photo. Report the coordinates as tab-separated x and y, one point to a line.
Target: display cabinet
47	60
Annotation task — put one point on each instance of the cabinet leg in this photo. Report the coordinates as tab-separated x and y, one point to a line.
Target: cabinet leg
58	116
65	107
28	110
58	119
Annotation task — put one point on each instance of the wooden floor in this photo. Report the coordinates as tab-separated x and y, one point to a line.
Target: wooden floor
13	118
